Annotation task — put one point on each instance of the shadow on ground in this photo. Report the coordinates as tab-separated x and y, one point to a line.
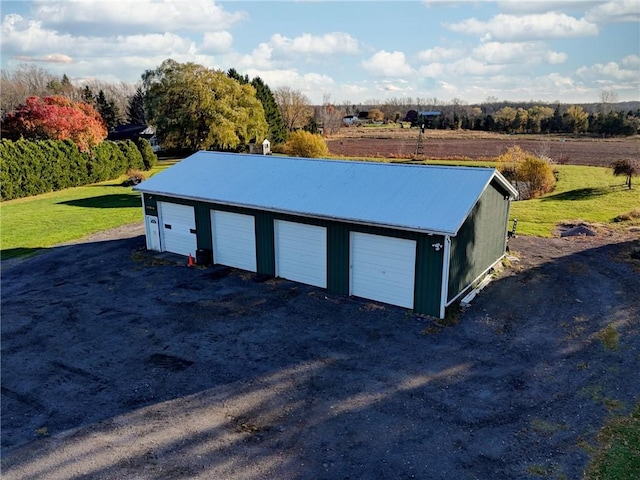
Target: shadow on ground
114	200
128	364
579	194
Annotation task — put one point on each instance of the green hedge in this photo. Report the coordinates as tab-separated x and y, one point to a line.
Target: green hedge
33	167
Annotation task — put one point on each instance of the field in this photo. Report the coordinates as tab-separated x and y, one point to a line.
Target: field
442	144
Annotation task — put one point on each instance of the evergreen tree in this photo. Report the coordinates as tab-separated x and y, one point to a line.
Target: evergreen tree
66	86
108	111
277	130
135	110
233	73
87	95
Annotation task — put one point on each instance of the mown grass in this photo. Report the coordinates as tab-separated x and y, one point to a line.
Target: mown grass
617	456
582	194
28	224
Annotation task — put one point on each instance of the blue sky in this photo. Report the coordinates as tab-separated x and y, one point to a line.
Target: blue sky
346	51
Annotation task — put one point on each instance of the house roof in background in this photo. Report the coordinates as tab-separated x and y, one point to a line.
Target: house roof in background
131	131
433	199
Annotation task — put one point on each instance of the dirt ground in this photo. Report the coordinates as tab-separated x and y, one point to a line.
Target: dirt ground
401	143
120	363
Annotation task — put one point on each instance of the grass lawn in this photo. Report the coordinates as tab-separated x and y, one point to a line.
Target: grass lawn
618	454
55	217
588	194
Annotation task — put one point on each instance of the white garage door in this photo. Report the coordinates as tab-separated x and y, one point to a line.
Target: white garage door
234	239
177	228
382	268
301	252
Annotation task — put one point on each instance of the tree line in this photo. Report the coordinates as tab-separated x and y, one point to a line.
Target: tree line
193	107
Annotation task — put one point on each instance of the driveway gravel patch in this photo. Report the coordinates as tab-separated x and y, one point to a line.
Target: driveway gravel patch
122	363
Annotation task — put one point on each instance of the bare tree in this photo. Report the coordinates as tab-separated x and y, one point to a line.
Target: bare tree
329	115
295	107
607	97
26	81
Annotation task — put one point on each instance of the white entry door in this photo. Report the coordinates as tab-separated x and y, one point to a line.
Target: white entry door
234	240
382	268
301	252
153	233
177	228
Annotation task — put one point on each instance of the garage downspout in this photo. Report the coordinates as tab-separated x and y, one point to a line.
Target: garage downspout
444	288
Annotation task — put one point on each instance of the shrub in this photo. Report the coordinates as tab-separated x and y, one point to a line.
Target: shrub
134	177
33	167
538	175
532	176
149	157
131	153
306	144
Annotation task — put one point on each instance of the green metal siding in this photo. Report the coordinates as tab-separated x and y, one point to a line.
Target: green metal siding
338	258
428	269
428	283
265	246
480	242
203	226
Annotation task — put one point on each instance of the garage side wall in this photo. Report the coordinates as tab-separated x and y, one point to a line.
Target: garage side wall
480	242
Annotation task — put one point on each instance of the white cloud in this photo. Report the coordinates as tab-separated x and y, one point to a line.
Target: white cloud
50	58
85	16
432	70
387	64
313	85
471	66
464	67
328	44
615	11
515	6
526	27
611	70
390	87
437	54
498	53
216	42
20	36
631	61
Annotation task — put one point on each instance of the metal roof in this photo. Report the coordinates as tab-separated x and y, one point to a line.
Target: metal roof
434	199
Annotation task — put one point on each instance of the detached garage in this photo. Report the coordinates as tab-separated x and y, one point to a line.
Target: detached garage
409	235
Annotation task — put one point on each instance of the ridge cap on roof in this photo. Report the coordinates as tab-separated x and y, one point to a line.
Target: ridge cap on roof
346	161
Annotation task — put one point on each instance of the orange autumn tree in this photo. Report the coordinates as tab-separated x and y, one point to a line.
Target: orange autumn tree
55	118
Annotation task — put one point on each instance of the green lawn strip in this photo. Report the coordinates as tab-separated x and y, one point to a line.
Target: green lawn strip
617	456
28	224
587	194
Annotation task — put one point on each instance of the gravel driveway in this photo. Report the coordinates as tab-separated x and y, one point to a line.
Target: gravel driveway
120	363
